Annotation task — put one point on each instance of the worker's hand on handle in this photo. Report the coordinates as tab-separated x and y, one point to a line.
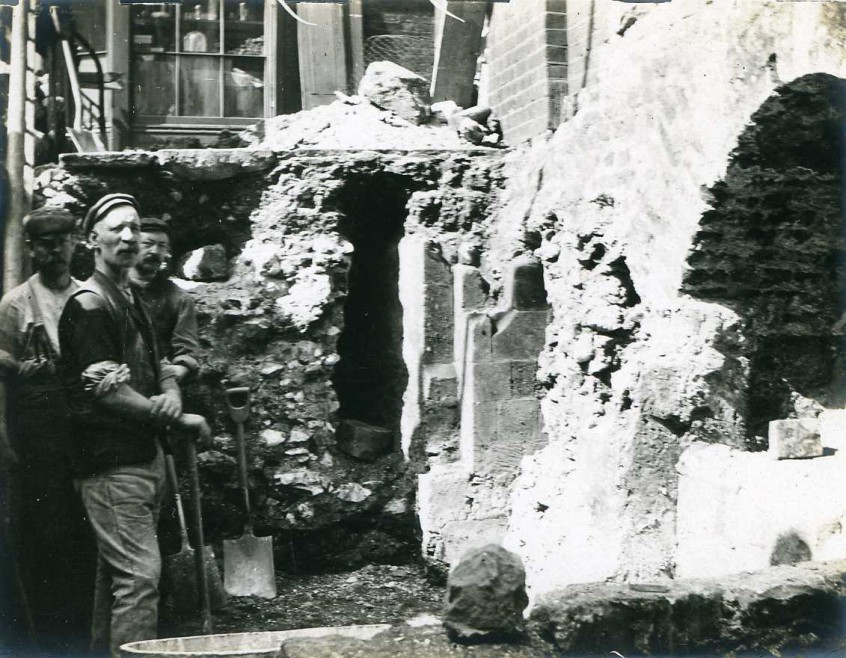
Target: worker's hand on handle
167	408
197	426
31	367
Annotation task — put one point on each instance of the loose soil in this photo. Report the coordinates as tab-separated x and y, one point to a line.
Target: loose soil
375	594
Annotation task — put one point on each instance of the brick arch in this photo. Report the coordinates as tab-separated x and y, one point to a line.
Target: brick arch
771	247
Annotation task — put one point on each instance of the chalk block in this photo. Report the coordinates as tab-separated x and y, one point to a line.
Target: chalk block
795	439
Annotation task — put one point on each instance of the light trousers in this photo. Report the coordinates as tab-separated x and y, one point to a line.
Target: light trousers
123	507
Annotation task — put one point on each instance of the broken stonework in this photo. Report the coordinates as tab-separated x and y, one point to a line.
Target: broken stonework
486	594
795	439
768	608
205	264
392	87
362	440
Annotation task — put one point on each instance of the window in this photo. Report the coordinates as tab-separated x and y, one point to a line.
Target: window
199	61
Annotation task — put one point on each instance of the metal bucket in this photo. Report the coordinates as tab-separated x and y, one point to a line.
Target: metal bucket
261	644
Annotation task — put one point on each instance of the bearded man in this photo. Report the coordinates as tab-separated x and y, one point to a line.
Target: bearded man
52	547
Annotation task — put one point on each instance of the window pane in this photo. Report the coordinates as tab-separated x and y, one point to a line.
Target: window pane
200	26
244	27
249	11
153	90
244	87
153	28
199	86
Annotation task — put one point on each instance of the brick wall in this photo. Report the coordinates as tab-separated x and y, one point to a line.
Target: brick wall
527	46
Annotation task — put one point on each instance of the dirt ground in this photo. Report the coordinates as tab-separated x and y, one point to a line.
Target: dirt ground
372	595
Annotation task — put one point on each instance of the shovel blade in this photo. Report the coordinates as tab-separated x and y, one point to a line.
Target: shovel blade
248	567
179	580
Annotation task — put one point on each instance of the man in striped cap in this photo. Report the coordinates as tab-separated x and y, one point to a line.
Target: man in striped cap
55	553
120	400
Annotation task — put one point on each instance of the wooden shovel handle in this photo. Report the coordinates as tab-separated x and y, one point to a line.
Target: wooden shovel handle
199	545
174	484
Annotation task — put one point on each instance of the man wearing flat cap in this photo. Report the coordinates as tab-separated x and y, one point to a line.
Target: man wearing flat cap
175	323
49	532
171	308
120	399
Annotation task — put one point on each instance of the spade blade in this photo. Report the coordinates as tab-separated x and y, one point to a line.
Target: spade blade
248	566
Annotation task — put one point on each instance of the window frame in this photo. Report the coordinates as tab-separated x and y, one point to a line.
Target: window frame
146	122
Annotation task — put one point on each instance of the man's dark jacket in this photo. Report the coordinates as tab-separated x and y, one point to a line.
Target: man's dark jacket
100	323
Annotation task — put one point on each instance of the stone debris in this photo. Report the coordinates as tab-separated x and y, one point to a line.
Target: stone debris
271	370
272	437
392	111
352	492
308	481
360	126
207	263
795	439
392	87
486	595
362	440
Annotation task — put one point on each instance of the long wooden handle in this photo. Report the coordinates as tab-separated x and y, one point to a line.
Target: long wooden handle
174	484
199	541
242	477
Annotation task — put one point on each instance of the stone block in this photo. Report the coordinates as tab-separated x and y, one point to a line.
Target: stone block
524	287
519	335
363	441
519	418
215	164
439	382
470	288
486	594
205	264
491	380
505	431
795	439
481	332
458	537
523	378
440	497
392	87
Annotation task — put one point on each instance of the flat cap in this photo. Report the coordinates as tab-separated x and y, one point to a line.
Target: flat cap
100	209
48	221
154	225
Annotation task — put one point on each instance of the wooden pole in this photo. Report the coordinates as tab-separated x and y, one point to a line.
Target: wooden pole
18	204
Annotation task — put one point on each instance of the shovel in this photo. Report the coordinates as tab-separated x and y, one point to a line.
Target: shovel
248	560
179	570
